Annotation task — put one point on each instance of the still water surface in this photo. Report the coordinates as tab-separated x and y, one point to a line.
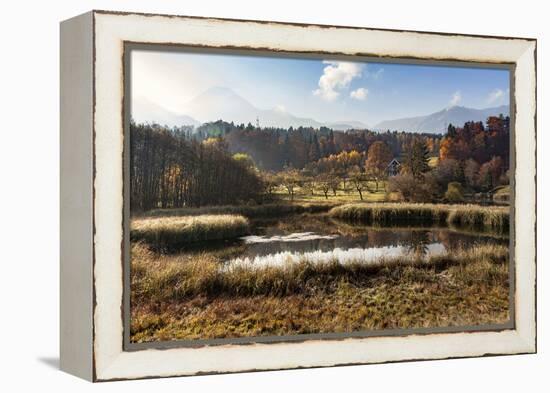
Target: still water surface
318	238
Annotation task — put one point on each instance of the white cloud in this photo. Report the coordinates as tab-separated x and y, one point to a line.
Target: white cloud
337	75
495	95
359	94
280	108
455	99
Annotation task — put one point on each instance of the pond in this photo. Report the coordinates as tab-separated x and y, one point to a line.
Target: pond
316	237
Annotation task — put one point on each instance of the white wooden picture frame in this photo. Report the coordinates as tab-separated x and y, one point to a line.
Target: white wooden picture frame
92	194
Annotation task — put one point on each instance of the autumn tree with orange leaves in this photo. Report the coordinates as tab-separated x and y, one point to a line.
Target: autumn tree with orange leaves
379	156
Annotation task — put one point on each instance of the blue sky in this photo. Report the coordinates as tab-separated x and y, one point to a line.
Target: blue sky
323	89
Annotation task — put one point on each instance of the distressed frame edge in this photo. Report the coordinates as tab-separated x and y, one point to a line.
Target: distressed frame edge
526	272
76	196
526	340
304	24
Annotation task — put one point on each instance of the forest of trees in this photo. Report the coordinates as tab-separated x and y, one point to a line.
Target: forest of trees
223	163
273	149
168	169
472	159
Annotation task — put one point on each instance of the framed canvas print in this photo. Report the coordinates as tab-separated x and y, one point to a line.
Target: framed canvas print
245	195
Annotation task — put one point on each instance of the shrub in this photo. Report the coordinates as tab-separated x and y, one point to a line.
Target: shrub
413	189
447	171
454	192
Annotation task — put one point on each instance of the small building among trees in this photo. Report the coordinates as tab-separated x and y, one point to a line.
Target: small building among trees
393	167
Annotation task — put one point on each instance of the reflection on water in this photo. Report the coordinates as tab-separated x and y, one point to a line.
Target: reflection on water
293	237
420	242
372	255
318	238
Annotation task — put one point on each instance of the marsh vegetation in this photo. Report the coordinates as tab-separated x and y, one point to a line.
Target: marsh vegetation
224	293
495	218
314	273
172	232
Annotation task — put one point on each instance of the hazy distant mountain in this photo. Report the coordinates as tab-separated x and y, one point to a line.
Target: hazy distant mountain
437	122
145	111
220	103
347	125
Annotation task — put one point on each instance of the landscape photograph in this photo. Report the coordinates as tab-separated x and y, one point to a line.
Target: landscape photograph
279	196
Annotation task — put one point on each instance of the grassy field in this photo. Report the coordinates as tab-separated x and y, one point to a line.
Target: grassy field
304	202
193	296
343	195
466	216
169	232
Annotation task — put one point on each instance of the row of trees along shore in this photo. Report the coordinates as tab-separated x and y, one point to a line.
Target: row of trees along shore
167	169
223	163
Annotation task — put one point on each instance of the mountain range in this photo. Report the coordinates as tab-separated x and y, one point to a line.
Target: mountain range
221	103
437	122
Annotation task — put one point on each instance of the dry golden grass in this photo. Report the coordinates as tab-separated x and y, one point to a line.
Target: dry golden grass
170	232
190	297
252	211
496	218
176	278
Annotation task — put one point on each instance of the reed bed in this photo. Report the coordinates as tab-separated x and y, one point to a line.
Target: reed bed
496	218
254	211
157	279
163	233
471	216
